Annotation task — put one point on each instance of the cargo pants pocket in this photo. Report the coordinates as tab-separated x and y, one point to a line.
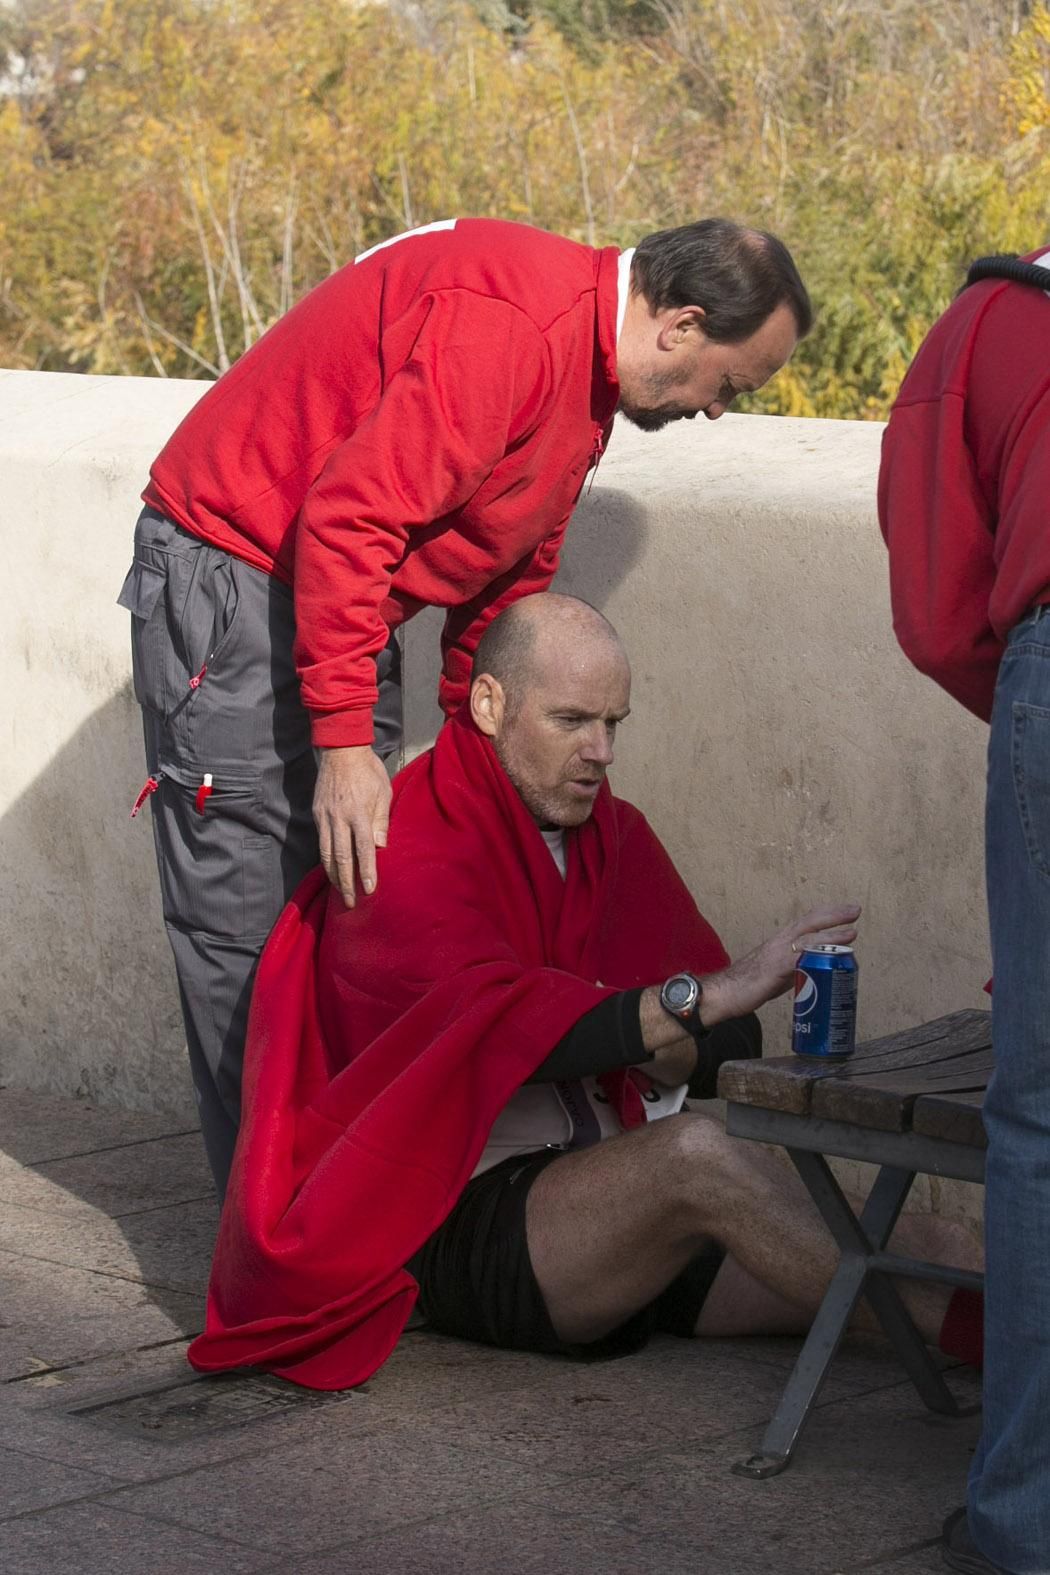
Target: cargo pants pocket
144	595
220	870
183	603
141	590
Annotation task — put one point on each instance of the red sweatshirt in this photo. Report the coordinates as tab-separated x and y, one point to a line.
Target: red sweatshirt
964	486
414	432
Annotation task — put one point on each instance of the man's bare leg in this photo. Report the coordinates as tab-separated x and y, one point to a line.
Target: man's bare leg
737	1304
610	1227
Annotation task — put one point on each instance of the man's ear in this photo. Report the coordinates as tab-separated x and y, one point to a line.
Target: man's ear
680	325
487	704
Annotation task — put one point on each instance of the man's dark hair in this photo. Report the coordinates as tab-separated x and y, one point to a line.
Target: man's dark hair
738	275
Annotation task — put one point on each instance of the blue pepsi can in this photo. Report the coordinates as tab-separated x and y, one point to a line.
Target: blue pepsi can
825	1016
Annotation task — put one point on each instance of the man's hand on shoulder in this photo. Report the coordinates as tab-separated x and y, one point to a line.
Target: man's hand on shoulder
351	812
767	971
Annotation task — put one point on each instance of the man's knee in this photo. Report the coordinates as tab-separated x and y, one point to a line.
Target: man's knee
703	1168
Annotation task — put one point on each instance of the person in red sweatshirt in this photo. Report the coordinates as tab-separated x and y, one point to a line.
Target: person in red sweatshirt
416	431
963	492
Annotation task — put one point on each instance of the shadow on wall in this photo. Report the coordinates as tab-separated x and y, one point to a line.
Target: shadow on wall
605	540
90	1004
91	1011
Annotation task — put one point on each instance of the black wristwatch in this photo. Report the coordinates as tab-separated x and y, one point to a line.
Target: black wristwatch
681	996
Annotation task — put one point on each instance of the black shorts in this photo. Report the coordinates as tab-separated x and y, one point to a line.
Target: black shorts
476	1279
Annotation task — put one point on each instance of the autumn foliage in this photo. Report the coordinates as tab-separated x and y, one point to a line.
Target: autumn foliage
174	173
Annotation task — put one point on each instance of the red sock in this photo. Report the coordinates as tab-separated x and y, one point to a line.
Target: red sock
962	1332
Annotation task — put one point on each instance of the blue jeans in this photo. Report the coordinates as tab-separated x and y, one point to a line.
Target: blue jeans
1009	1506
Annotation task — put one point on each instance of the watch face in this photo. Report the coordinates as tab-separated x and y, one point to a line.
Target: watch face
679	993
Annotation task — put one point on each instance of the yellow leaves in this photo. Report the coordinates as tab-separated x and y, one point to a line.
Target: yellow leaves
207	161
1026	94
15	133
787	395
893	375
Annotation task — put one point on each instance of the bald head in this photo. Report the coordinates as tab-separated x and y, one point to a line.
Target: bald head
550	683
539	630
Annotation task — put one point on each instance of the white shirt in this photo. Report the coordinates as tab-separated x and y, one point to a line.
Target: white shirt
555	840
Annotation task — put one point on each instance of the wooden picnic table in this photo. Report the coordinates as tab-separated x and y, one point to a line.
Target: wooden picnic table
909	1103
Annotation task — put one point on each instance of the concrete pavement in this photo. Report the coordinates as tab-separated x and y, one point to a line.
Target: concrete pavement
454	1458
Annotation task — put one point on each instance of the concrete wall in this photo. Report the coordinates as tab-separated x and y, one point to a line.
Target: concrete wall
779	742
87	994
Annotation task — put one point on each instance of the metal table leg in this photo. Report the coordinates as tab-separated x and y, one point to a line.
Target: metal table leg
859	1241
808	1375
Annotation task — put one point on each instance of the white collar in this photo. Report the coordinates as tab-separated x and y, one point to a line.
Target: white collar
623	288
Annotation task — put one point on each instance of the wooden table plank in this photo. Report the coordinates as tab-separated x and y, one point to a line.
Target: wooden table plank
956	1117
880	1084
779	1083
884	1100
930	1042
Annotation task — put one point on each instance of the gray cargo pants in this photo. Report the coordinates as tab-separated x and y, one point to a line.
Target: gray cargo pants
212	660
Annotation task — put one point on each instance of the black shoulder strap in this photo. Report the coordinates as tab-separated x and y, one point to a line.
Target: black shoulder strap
1007	265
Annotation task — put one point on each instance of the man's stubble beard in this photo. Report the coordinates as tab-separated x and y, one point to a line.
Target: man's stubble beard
653	420
545	810
659	411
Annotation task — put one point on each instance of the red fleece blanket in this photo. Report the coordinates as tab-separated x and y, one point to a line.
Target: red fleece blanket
385	1039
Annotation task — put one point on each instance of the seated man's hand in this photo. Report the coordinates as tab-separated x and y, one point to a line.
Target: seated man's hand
351	812
767	971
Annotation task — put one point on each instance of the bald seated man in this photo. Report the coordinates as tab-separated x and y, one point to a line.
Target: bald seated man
587	1244
480	1075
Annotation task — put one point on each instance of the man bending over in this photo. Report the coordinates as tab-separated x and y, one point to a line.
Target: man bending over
457	1090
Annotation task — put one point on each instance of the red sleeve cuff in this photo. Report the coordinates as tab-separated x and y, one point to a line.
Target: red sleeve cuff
343	729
